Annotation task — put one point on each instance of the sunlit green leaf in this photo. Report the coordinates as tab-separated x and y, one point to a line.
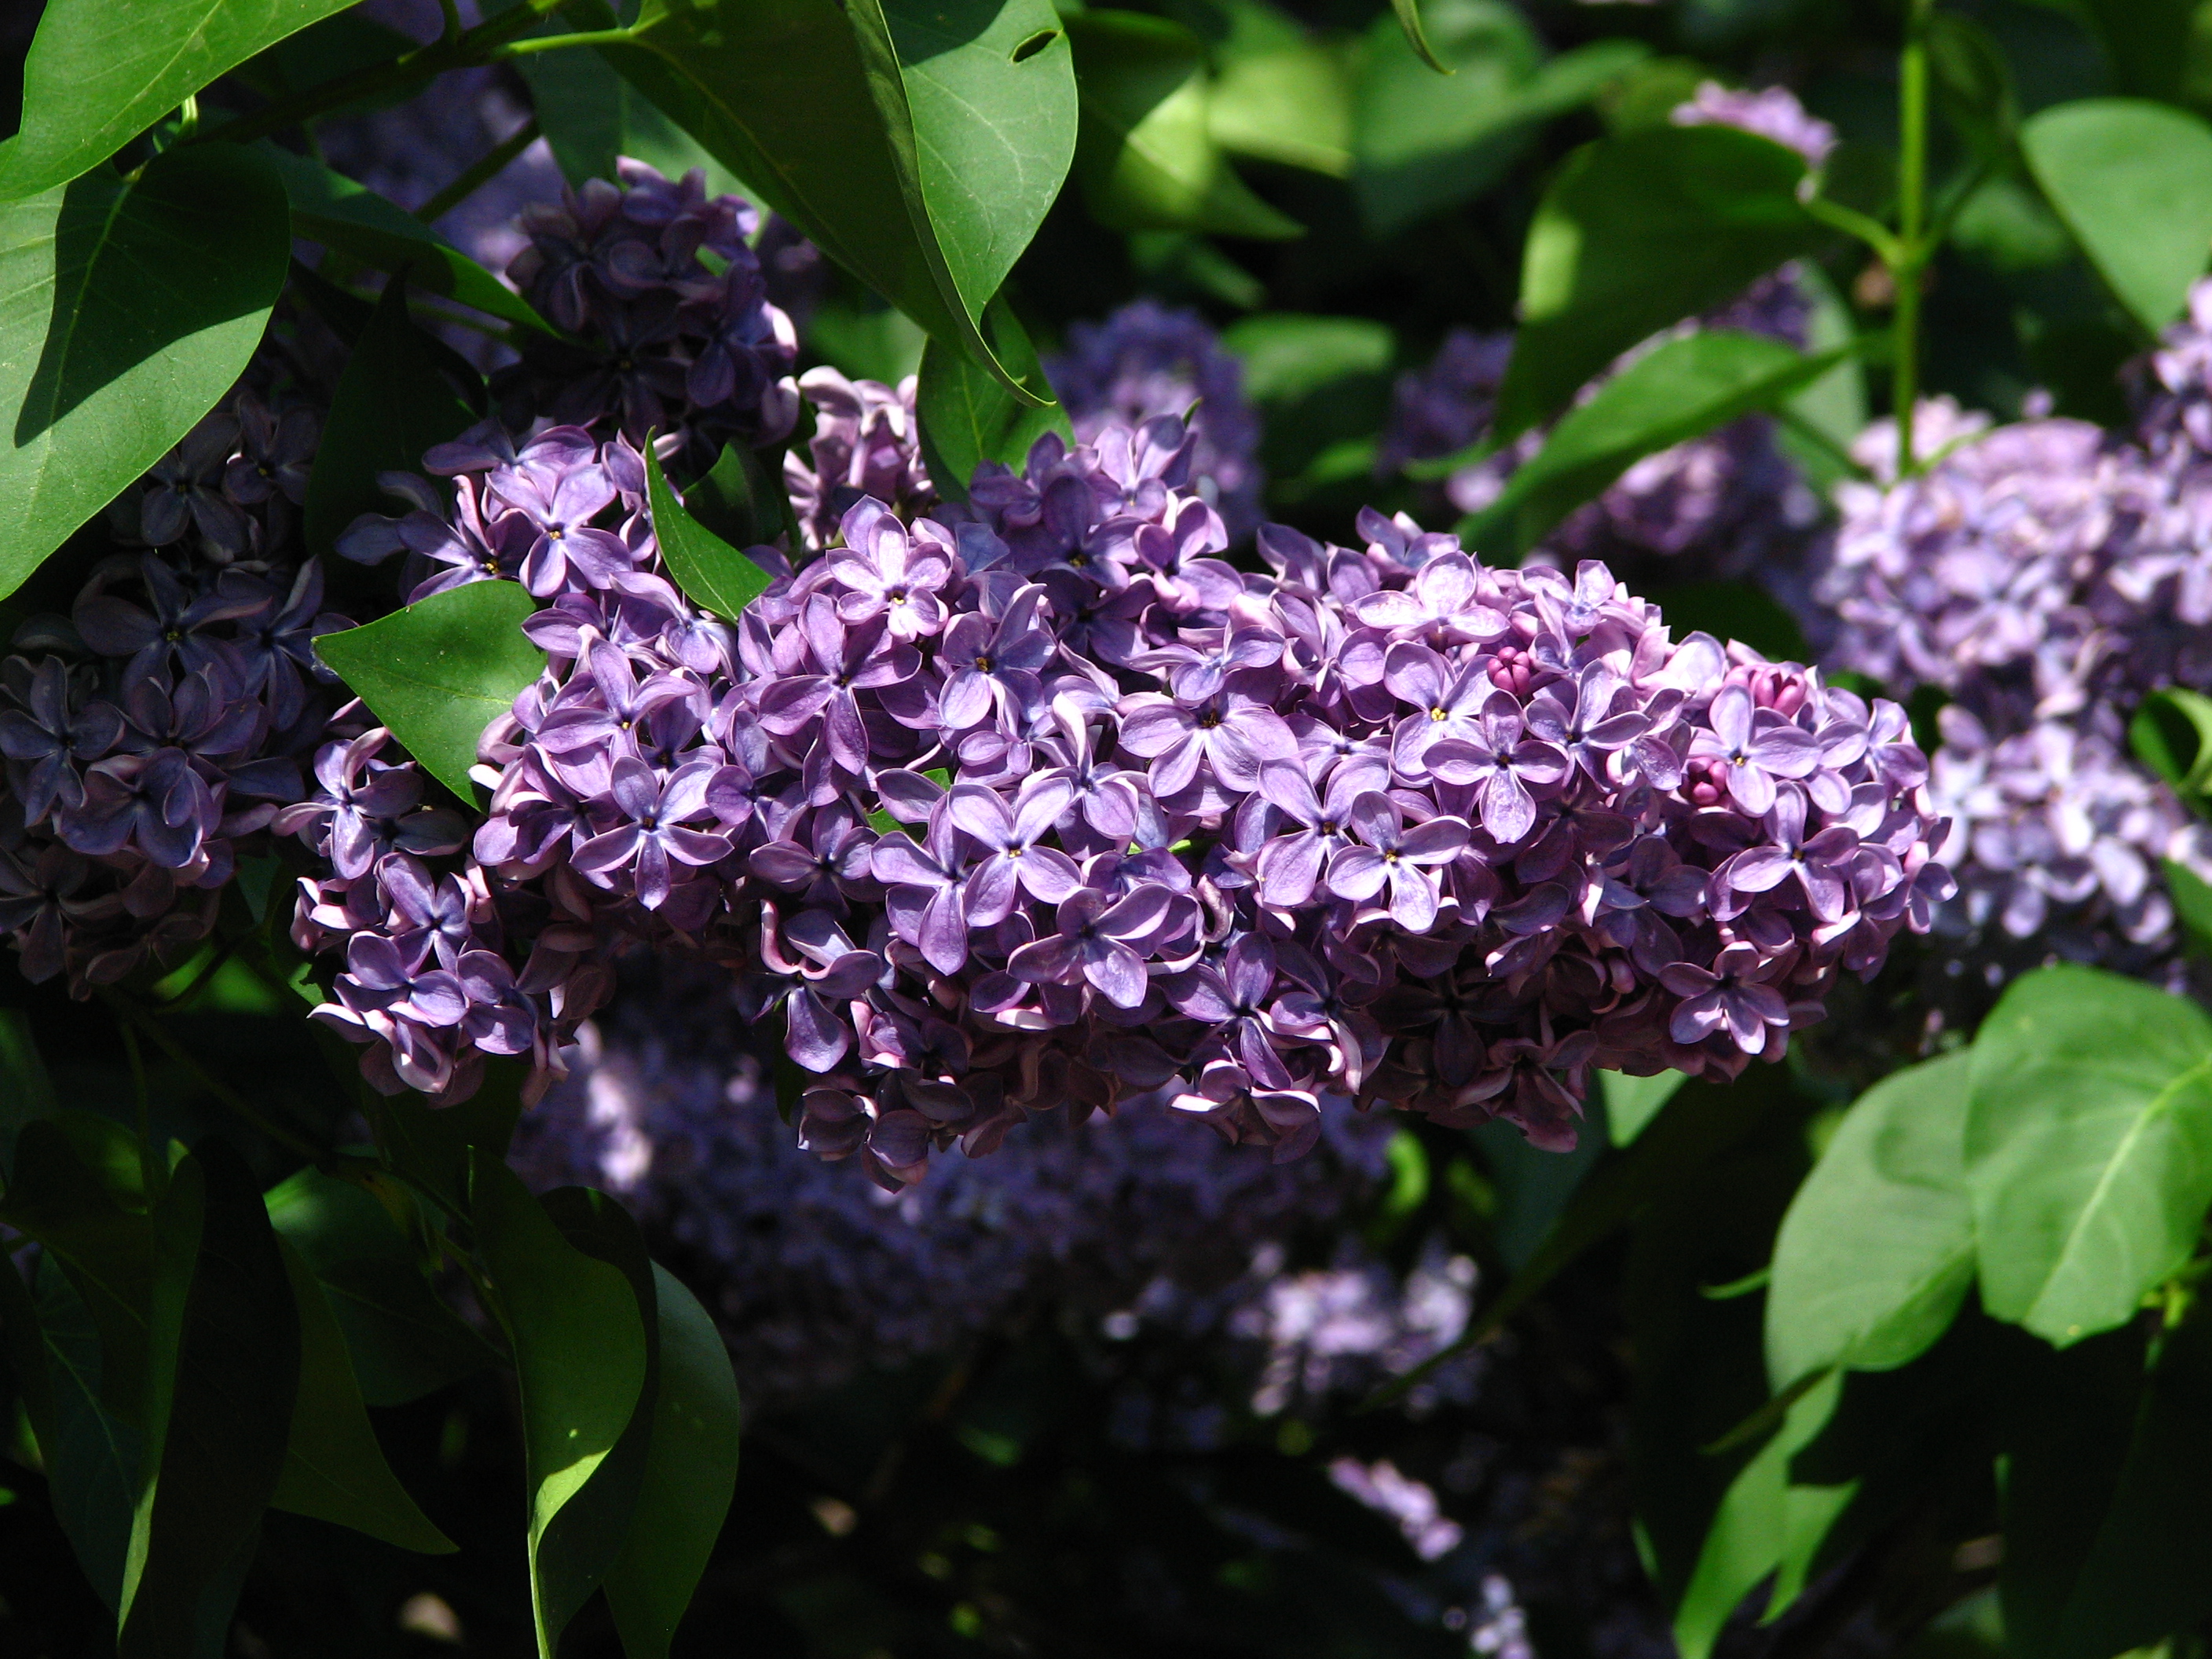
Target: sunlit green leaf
100	71
578	1343
2088	1147
708	569
1630	1103
127	307
1635	234
1147	158
1877	1251
438	671
2133	180
690	1475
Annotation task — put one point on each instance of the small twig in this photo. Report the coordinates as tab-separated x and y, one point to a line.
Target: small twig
479	175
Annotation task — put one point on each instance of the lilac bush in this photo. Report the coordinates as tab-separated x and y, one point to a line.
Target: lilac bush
866	443
1032	803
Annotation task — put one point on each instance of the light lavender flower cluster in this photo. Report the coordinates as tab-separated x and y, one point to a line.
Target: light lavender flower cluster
814	1271
1383	824
662	340
152	734
2027	571
1771	112
1147	360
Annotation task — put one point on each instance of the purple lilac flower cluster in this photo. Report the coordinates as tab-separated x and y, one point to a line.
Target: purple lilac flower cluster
1148	360
153	734
865	444
1725	504
1381	823
815	1272
2029	571
662	340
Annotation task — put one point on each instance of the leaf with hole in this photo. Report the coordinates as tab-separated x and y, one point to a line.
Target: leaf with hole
2133	181
1876	1253
101	71
2088	1147
441	671
127	308
919	146
711	572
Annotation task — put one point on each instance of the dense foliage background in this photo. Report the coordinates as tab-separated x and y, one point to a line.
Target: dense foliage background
1869	336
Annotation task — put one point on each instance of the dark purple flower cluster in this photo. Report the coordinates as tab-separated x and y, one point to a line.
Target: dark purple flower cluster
815	1272
668	309
1147	360
866	443
152	734
1382	823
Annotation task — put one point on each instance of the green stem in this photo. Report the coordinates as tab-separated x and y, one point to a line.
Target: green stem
555	42
1912	225
453	14
479	175
464	51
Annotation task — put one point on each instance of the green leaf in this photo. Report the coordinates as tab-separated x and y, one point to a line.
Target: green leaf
967	417
579	1345
1424	143
2172	735
2133	181
25	1091
1685	387
741	499
224	1371
353	220
101	71
2192	900
1973	85
2088	1147
708	569
2108	1540
1289	102
402	1341
1630	1103
690	1475
92	1462
1287	356
392	404
127	307
435	1147
1877	1251
1534	1186
591	117
1147	158
2152	43
102	1244
1635	234
25	1337
1408	13
919	147
333	1468
1764	1522
441	670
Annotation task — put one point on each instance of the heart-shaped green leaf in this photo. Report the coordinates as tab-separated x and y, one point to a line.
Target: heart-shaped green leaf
2133	180
441	671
